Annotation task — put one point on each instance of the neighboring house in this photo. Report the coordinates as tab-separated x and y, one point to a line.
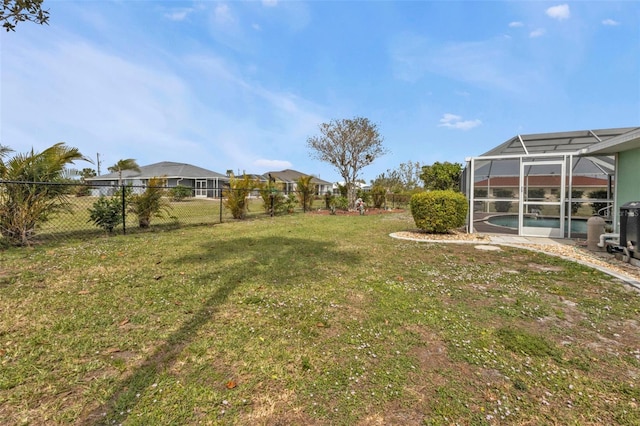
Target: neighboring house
204	183
626	150
583	184
360	186
256	178
288	180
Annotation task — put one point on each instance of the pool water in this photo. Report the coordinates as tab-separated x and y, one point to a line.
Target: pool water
578	226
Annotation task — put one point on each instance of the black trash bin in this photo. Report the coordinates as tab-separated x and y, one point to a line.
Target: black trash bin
630	226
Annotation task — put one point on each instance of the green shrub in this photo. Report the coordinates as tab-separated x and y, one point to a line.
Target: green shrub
150	203
378	196
365	196
306	191
343	190
328	200
535	194
503	206
401	199
341	203
83	190
180	192
271	198
478	206
596	207
439	211
575	206
106	213
236	195
480	193
290	202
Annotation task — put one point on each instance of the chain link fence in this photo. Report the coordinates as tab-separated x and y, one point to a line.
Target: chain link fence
90	211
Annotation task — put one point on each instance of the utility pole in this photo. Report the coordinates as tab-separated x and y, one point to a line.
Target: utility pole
98	162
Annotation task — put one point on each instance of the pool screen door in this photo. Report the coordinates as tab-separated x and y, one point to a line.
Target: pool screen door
542	194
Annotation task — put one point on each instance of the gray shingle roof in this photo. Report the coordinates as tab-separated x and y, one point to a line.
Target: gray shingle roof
165	169
289	175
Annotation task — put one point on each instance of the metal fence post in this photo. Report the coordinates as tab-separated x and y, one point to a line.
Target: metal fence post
124	208
271	196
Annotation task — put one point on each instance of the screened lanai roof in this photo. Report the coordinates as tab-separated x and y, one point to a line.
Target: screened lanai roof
573	142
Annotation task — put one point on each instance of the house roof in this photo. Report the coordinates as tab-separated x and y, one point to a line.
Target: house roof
166	169
624	142
255	177
289	175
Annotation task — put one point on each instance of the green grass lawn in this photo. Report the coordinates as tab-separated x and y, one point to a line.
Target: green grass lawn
310	319
75	221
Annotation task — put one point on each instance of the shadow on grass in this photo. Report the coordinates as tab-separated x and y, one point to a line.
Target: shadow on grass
276	260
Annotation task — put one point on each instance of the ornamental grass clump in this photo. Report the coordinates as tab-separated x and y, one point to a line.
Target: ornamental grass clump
236	196
150	203
438	211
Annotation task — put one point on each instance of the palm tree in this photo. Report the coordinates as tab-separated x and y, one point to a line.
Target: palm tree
306	191
36	190
126	164
150	202
4	151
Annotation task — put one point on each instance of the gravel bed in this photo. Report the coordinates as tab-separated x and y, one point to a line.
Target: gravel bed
571	250
581	254
452	236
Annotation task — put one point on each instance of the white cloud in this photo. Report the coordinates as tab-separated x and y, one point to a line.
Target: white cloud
453	121
272	165
486	64
270	3
94	101
515	24
178	15
610	22
203	112
222	14
537	33
559	12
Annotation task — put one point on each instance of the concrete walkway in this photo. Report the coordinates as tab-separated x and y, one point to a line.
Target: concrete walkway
515	239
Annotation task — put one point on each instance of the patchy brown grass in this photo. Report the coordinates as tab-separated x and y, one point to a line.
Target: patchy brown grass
311	319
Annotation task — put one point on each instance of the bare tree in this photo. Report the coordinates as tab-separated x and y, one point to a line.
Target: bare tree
349	145
14	11
404	178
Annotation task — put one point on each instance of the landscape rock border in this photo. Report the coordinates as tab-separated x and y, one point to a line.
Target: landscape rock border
609	264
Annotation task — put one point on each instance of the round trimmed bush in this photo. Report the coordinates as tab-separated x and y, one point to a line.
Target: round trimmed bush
439	211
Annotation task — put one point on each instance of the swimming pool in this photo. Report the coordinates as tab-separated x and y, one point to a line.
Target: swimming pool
578	225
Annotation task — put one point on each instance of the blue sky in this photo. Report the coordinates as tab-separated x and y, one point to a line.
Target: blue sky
242	85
